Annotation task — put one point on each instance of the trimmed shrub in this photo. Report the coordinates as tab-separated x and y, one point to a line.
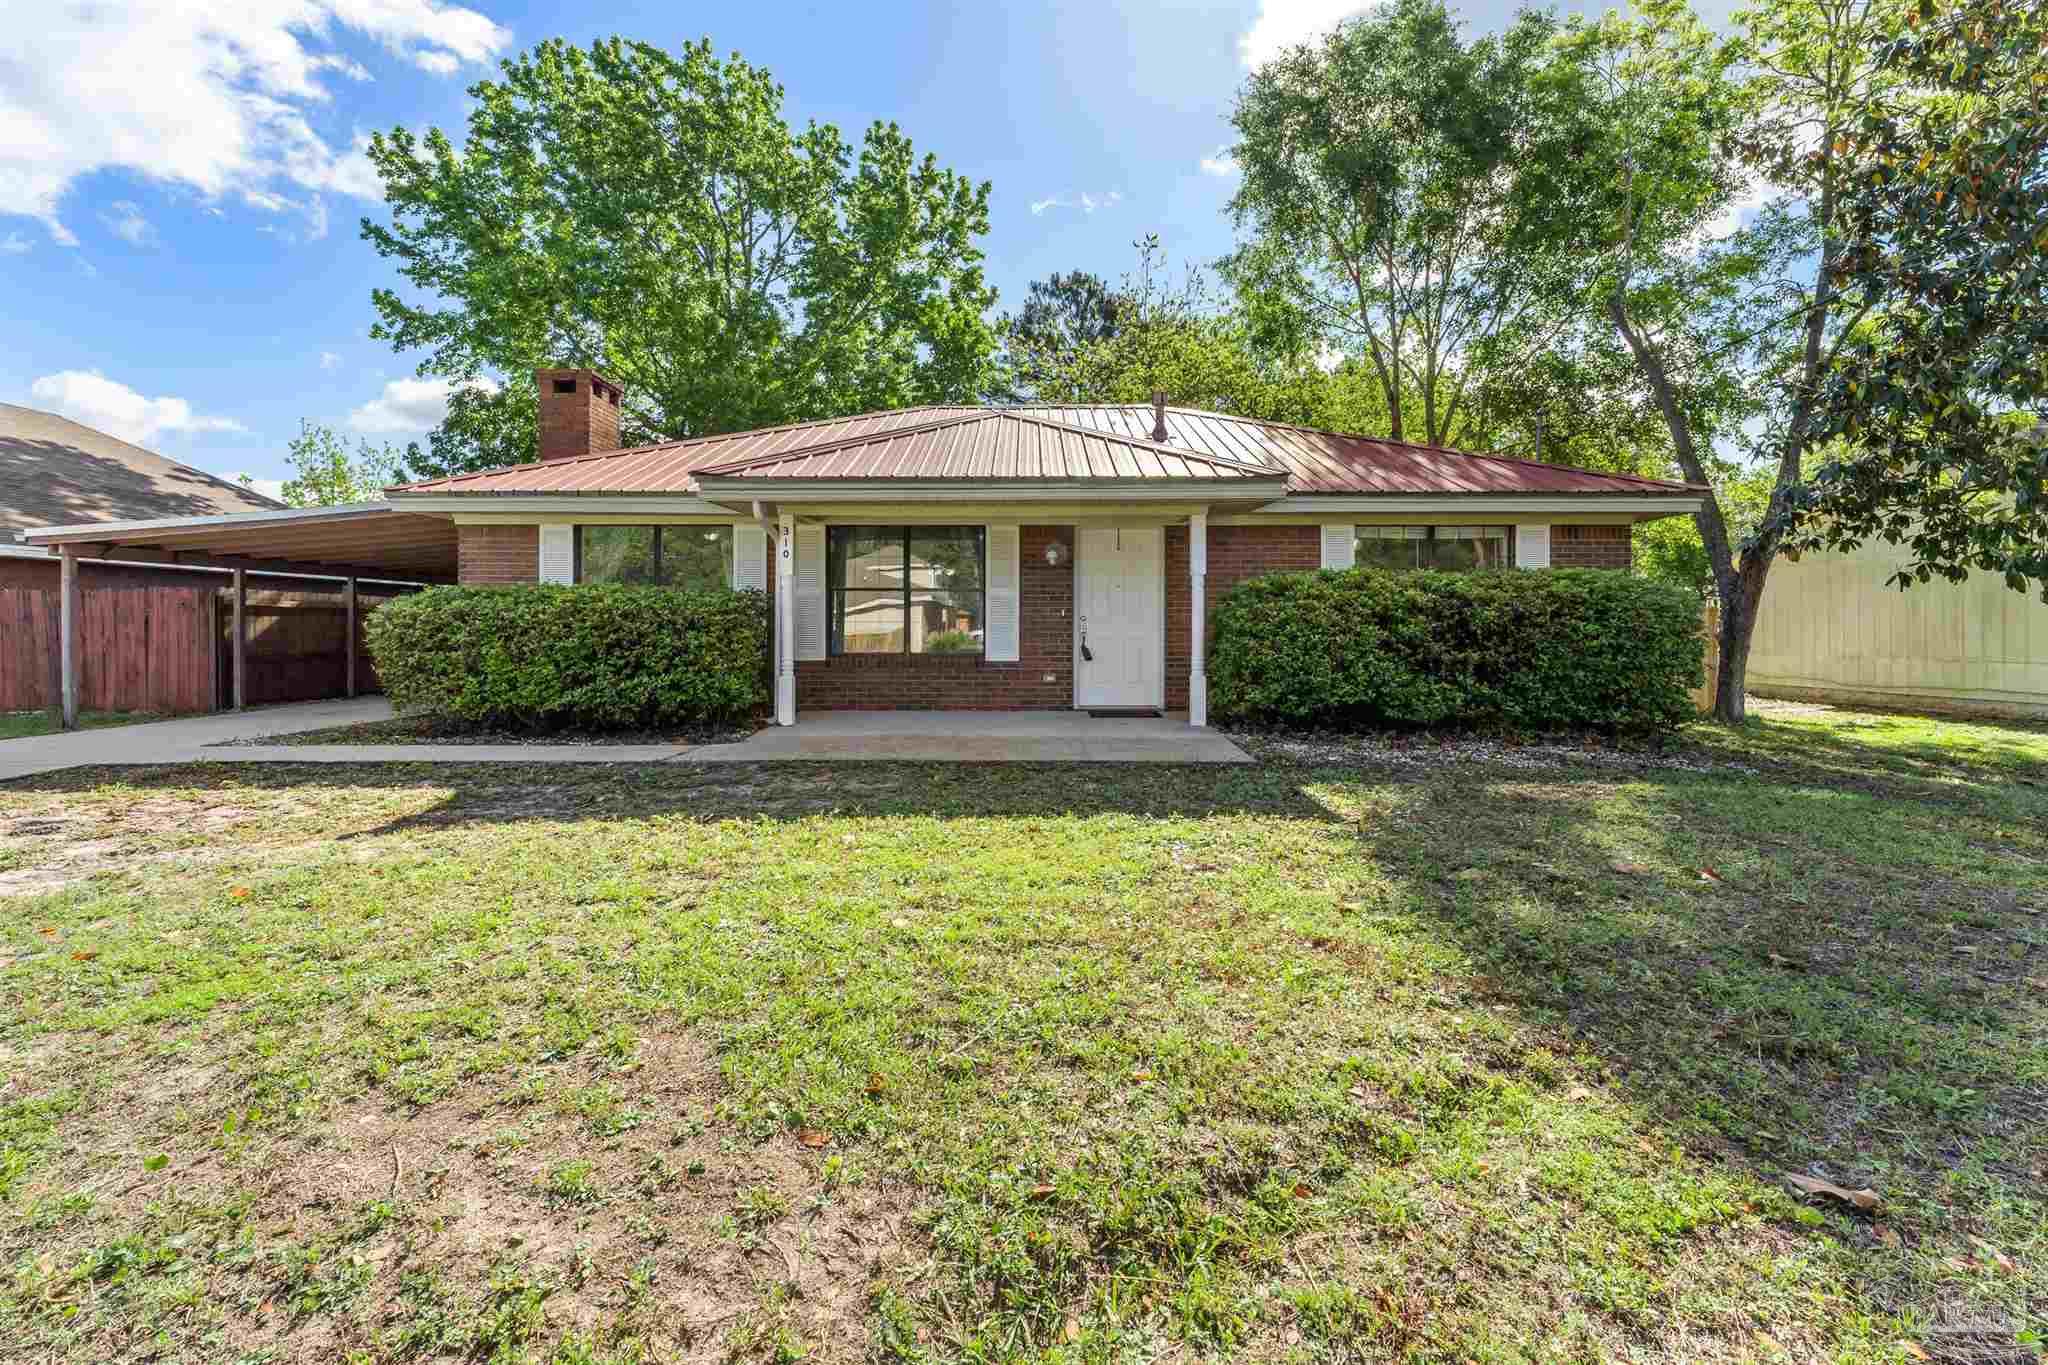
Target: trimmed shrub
598	656
1561	649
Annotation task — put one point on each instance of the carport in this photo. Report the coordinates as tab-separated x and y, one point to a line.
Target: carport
373	542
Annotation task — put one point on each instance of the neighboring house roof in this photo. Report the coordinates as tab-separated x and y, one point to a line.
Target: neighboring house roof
1046	442
56	472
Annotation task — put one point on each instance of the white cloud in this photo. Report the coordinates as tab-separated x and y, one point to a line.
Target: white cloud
13	244
1084	201
329	360
1220	164
124	219
214	98
90	397
1283	24
409	406
269	488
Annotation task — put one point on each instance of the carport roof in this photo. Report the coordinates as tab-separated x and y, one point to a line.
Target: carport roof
373	540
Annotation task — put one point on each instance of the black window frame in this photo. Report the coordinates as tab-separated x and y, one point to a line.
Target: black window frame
835	593
661	530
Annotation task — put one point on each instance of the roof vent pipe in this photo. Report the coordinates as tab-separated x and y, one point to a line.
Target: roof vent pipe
1159	415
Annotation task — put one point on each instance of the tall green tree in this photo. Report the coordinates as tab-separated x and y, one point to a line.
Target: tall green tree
652	214
326	473
1062	314
1382	206
1175	334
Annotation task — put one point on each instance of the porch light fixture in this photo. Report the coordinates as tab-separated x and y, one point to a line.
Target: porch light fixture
1055	553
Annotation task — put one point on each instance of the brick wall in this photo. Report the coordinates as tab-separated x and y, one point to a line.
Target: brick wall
1590	547
1235	554
497	554
898	682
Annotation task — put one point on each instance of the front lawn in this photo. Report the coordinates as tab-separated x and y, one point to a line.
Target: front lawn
1408	1058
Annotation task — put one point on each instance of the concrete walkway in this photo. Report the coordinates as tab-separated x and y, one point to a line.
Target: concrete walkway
837	736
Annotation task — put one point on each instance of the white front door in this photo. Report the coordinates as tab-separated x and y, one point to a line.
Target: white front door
1120	609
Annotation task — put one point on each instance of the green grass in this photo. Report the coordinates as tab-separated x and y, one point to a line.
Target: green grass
916	1062
23	724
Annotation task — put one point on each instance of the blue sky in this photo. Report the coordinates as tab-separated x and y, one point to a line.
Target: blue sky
180	184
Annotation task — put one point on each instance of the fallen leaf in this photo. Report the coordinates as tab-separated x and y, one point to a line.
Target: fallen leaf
85	955
1868	1200
1303	1192
813	1137
240	893
1630	869
1073	1329
1914	1351
1141	1076
1707	874
875	1083
1041	1191
48	929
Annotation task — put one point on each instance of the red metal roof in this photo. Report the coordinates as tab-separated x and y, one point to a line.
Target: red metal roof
1046	442
990	443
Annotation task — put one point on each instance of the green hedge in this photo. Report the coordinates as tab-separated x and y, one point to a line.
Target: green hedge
1562	649
598	657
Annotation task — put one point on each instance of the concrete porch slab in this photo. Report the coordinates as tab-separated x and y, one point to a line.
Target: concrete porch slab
976	737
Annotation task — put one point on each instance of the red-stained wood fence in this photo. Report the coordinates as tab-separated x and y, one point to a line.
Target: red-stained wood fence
167	649
140	649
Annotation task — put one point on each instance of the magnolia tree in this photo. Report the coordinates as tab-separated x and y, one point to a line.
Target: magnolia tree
1879	315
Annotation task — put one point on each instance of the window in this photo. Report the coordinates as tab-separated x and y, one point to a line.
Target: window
662	556
1451	548
905	589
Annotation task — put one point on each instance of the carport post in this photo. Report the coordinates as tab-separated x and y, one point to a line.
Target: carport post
350	671
67	633
239	648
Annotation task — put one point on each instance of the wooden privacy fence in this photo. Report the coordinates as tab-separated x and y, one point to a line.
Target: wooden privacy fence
167	649
295	650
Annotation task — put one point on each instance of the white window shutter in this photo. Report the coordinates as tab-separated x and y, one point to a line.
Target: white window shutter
1338	550
750	556
810	590
557	554
1532	547
1002	630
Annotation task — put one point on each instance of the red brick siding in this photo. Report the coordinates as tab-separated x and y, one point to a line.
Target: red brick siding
1235	554
497	554
899	682
1590	547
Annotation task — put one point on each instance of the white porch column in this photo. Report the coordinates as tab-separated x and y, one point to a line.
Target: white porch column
349	672
785	620
1198	570
67	634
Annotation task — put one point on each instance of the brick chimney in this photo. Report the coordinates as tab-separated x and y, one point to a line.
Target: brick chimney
579	413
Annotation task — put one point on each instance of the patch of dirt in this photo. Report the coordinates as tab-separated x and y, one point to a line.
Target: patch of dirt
436	730
666	1226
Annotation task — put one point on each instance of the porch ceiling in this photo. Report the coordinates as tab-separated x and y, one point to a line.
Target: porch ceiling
362	540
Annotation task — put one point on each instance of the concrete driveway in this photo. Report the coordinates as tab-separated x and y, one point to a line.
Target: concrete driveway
177	741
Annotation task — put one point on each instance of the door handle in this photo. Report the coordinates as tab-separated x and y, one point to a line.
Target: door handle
1086	656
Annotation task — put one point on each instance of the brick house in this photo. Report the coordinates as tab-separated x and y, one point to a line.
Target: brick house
966	557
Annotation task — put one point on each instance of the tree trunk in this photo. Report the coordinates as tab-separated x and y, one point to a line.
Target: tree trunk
1739	610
